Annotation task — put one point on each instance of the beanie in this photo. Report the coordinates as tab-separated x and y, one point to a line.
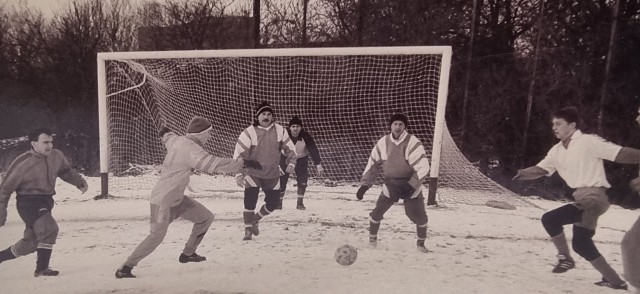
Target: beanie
401	117
198	124
295	121
262	107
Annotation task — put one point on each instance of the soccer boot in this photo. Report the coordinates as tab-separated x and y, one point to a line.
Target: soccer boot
564	264
421	247
47	272
373	241
124	272
247	234
300	206
619	286
191	258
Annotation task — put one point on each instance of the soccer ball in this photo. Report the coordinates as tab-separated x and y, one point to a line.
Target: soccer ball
346	255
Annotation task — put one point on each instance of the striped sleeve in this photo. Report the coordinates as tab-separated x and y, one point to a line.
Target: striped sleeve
210	164
374	164
417	158
244	143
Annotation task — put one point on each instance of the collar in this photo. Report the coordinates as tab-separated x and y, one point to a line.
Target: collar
267	128
400	139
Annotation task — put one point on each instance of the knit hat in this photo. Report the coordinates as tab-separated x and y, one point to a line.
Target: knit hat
295	121
399	116
262	107
198	124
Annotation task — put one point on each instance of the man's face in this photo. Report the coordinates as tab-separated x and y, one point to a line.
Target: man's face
265	118
638	117
397	127
295	130
43	145
562	129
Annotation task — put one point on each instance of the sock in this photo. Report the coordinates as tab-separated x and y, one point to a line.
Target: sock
605	269
421	231
6	254
44	256
247	216
300	199
374	226
560	241
261	213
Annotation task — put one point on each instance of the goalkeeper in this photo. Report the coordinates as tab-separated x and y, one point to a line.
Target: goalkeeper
168	202
305	147
404	165
630	244
263	141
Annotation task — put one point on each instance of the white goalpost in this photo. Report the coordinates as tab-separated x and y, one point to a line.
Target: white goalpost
343	95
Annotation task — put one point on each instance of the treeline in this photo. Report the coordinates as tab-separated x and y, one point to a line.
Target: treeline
514	61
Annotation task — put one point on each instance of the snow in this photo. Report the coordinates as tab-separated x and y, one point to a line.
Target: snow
474	249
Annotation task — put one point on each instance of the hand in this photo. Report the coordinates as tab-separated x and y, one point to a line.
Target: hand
252	164
517	176
240	180
361	191
291	169
320	169
3	215
635	184
83	187
280	171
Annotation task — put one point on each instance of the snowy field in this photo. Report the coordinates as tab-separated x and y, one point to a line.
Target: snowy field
474	249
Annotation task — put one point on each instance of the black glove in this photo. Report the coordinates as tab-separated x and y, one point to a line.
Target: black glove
252	164
361	191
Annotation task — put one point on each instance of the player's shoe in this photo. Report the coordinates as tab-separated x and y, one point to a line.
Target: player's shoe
421	247
564	264
373	241
191	258
254	229
47	272
124	272
300	206
247	234
619	286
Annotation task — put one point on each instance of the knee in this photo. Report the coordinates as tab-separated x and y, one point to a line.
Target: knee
582	243
550	224
418	218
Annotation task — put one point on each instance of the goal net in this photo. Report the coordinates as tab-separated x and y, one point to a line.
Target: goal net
343	95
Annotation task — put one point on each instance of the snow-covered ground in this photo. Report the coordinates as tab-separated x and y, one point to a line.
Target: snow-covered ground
474	249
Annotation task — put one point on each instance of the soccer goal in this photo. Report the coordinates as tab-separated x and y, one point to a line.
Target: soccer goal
343	95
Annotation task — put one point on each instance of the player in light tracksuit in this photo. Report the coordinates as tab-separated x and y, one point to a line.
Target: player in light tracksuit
32	176
405	165
168	202
263	141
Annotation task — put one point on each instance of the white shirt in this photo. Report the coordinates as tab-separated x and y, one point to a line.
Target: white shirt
580	165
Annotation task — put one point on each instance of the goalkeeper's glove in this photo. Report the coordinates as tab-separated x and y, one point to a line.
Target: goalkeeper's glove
252	164
361	191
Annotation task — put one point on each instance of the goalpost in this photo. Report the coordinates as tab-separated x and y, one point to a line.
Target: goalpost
343	95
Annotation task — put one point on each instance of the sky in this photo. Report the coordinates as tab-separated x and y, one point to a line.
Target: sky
473	248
